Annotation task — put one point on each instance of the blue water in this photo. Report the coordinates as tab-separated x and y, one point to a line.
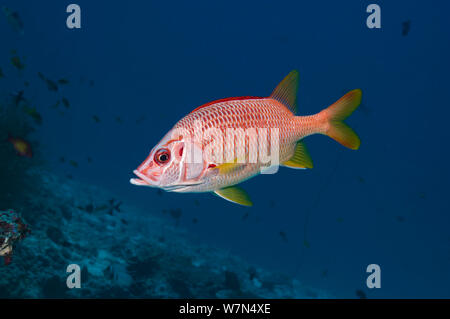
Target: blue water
384	204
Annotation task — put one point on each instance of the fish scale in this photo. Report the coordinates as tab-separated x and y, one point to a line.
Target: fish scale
245	114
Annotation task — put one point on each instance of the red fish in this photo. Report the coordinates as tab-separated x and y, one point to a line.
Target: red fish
222	143
22	147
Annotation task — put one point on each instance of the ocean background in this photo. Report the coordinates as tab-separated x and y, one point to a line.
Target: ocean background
140	66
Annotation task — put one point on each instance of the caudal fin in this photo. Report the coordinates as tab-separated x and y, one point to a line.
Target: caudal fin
337	113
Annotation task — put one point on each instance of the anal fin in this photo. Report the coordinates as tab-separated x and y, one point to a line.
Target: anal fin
301	157
235	194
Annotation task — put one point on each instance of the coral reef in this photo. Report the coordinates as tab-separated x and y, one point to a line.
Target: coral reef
126	254
12	230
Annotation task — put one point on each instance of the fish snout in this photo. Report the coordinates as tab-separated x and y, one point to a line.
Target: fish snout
145	178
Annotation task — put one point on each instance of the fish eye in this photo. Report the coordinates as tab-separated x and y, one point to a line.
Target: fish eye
162	156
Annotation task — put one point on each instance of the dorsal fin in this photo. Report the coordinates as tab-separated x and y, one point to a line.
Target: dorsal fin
225	100
286	91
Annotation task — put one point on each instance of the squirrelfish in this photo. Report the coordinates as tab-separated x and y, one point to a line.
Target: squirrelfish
222	143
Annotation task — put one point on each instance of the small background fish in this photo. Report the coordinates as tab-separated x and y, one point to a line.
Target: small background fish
21	146
14	20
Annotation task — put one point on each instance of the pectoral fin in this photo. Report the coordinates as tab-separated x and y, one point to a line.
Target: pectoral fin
301	158
226	168
235	194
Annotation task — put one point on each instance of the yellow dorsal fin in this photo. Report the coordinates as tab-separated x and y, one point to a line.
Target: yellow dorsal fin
235	194
301	158
286	91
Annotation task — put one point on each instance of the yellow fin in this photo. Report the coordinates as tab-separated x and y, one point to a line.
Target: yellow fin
227	167
338	112
286	91
235	194
230	167
301	158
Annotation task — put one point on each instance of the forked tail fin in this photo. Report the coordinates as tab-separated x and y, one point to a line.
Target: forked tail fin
337	113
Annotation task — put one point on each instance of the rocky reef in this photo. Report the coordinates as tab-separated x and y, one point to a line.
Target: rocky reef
12	230
126	254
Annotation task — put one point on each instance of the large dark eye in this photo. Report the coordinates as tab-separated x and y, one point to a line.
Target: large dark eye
162	156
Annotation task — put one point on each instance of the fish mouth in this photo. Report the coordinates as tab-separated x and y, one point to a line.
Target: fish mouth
173	188
180	188
143	180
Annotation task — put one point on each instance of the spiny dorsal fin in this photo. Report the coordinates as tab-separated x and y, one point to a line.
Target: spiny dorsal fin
235	194
286	91
301	158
